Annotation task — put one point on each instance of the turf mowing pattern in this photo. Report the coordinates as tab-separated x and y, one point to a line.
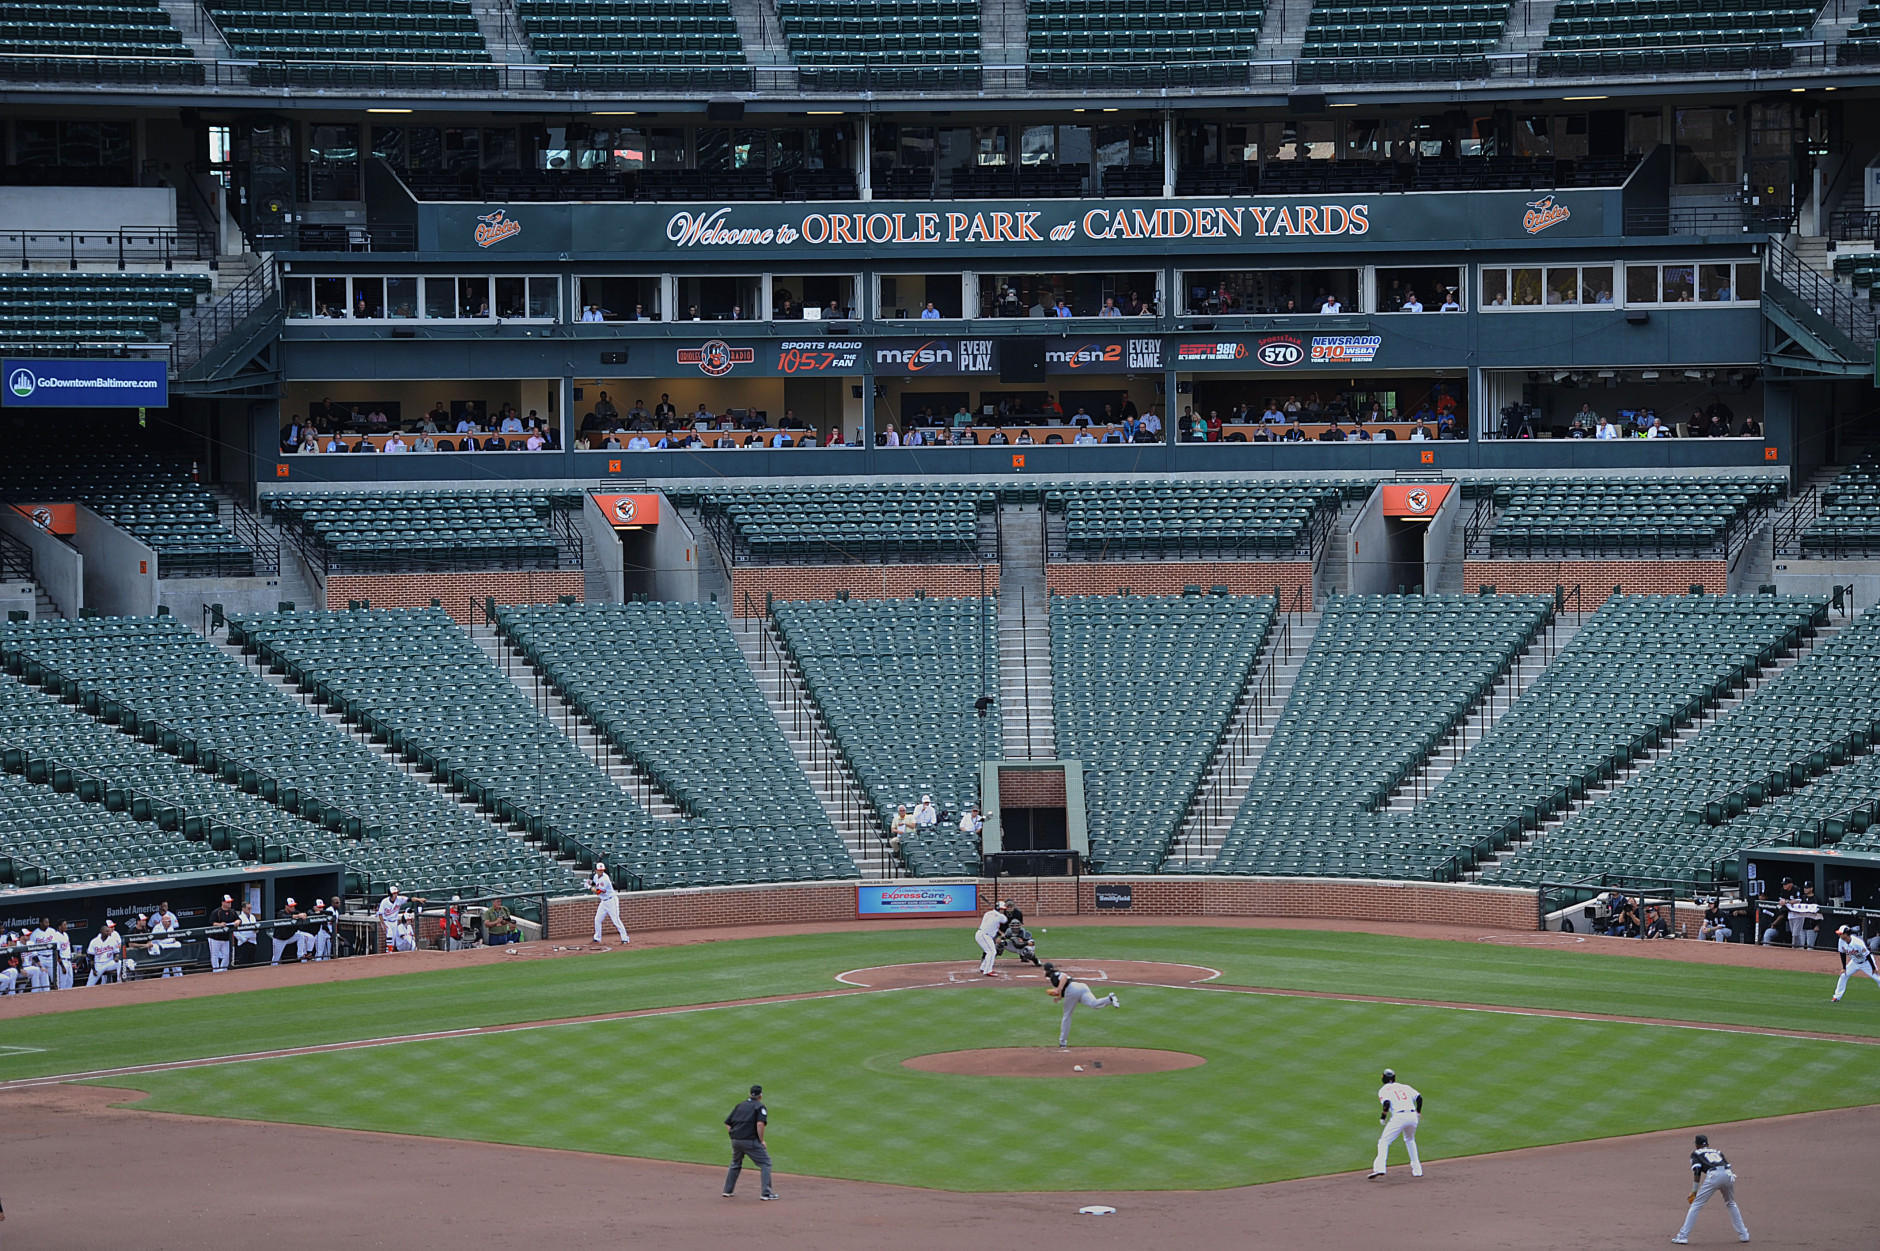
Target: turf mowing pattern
1287	1090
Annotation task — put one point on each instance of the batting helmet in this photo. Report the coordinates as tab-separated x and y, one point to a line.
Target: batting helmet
1390	1075
1703	1140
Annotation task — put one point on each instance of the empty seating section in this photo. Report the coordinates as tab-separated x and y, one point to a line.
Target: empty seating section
132	41
1603	703
1142	690
350	43
845	523
620	44
1862	46
1267	518
1698	806
668	686
1849	522
67	800
417	530
896	681
1861	269
1132	43
1625	517
929	44
154	677
149	496
1634	36
1387	678
53	308
1414	43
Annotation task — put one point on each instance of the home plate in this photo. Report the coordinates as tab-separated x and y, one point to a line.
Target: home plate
1096	1209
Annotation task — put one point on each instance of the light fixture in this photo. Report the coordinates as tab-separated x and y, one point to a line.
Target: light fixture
1694	373
824	113
1561	375
1608	373
1352	105
616	113
1585	97
1111	110
1796	91
388	110
1649	375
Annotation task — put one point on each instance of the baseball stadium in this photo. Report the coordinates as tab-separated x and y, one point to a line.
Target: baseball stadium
788	584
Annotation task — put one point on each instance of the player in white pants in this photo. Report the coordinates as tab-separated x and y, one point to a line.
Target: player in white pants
1401	1108
987	936
609	908
1711	1173
1855	958
1075	995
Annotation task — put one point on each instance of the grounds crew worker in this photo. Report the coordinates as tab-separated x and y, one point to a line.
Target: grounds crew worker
746	1124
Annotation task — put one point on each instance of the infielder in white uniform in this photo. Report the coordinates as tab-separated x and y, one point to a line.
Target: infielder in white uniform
1401	1108
1710	1172
609	908
987	936
1855	958
1075	995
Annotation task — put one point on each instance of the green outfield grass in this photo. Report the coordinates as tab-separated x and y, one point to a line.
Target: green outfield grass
1352	963
1287	1091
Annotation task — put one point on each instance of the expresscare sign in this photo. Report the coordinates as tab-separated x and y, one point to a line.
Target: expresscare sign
85	384
917	900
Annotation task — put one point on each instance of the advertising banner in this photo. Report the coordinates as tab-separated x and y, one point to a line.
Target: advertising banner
1419	501
1280	350
905	899
1115	896
985	228
52	518
85	384
629	510
754	358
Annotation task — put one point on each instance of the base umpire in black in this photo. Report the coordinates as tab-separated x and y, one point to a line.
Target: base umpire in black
746	1124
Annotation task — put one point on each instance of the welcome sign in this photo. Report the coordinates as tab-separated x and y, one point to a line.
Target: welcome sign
886	229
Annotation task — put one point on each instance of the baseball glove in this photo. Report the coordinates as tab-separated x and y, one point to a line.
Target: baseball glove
1691	1198
1054	992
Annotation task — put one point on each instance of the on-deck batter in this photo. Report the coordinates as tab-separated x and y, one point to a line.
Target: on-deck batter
609	908
1075	995
1400	1108
1855	958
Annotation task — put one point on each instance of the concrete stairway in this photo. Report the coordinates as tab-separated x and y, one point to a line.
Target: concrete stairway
1025	703
1284	31
1527	26
1755	564
1224	784
1004	38
713	578
1527	668
836	788
549	701
1724	709
761	32
198	31
43	607
1446	577
299	584
501	27
396	763
1332	576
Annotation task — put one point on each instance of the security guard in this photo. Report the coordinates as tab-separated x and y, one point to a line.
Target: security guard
746	1124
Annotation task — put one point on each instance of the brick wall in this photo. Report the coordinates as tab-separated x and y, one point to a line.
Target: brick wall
1438	903
461	594
1031	788
750	583
1596	578
1169	577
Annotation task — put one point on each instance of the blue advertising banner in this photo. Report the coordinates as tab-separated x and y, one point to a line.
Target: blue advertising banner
916	899
85	384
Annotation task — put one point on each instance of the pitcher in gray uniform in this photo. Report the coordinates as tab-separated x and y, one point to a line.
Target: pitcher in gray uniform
1710	1173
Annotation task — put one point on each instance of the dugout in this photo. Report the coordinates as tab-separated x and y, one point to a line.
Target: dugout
191	896
1846	882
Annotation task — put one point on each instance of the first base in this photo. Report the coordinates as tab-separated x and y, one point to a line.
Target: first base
1096	1209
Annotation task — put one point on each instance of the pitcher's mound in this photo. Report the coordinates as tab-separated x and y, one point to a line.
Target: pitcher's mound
1053	1061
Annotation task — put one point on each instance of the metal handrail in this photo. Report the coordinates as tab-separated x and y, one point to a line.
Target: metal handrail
165	245
1852	317
258	295
16	559
247	528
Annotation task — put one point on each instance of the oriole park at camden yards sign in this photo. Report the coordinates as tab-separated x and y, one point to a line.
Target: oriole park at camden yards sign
982	227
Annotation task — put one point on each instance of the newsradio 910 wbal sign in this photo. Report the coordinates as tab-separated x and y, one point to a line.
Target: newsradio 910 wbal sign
1000	228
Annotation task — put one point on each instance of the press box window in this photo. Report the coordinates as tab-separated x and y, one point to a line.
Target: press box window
1715	282
1555	286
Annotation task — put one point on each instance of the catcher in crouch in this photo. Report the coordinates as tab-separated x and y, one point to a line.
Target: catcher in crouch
1075	995
1015	938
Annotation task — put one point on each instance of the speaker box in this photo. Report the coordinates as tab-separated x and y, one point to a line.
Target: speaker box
724	110
1021	360
613	358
